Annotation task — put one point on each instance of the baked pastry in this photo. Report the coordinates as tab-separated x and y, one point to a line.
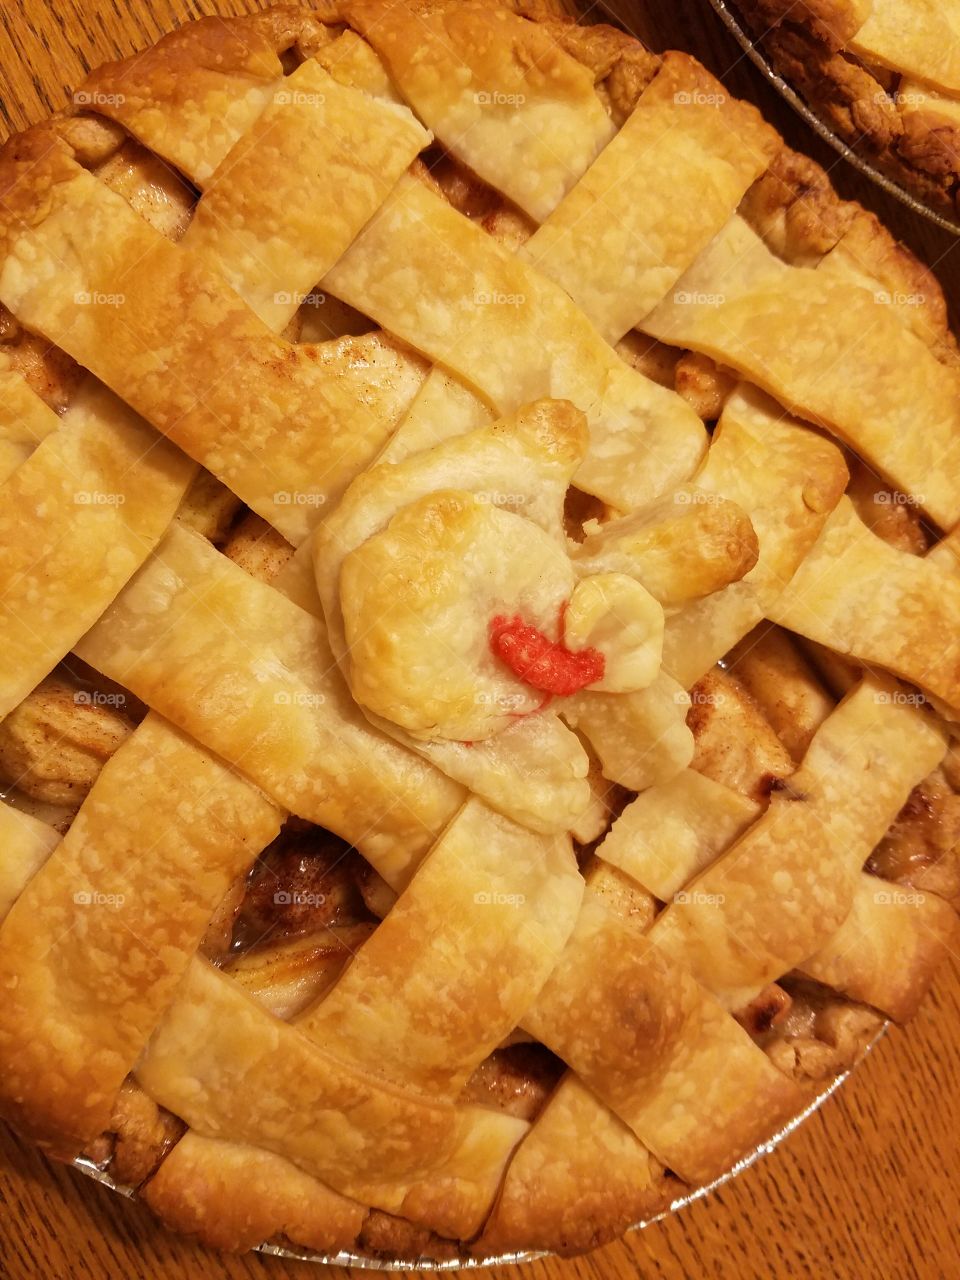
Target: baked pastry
884	75
466	782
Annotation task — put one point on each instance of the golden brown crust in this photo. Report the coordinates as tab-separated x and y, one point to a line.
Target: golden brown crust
579	1180
889	947
233	1197
795	209
206	75
583	1195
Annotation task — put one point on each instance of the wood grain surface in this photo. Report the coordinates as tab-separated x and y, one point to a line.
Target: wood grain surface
867	1188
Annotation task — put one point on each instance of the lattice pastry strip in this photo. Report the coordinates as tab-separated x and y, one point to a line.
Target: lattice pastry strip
788	883
869	380
233	408
85	508
495	87
885	949
289	198
708	129
789	479
124	896
912	626
848	958
712	143
255	681
882	954
155	734
235	1197
111	487
128	498
685	134
673	831
430	276
582	1157
27	843
647	1040
191	602
194	95
24	421
454	1023
922	38
453	967
231	1070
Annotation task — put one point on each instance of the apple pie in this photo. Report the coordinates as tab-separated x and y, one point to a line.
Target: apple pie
479	630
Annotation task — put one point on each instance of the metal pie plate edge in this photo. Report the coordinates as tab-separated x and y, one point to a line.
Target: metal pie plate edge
799	104
368	1263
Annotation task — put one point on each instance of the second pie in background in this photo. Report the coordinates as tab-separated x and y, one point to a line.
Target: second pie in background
883	76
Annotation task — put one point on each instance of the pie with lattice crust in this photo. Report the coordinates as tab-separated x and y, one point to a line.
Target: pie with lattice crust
479	630
884	75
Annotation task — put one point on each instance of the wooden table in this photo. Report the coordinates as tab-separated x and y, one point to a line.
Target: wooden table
867	1187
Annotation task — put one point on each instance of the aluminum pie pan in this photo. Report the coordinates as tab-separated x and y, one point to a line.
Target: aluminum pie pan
365	1262
799	104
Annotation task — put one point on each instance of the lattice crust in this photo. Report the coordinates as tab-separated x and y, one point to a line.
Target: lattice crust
885	75
437	877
